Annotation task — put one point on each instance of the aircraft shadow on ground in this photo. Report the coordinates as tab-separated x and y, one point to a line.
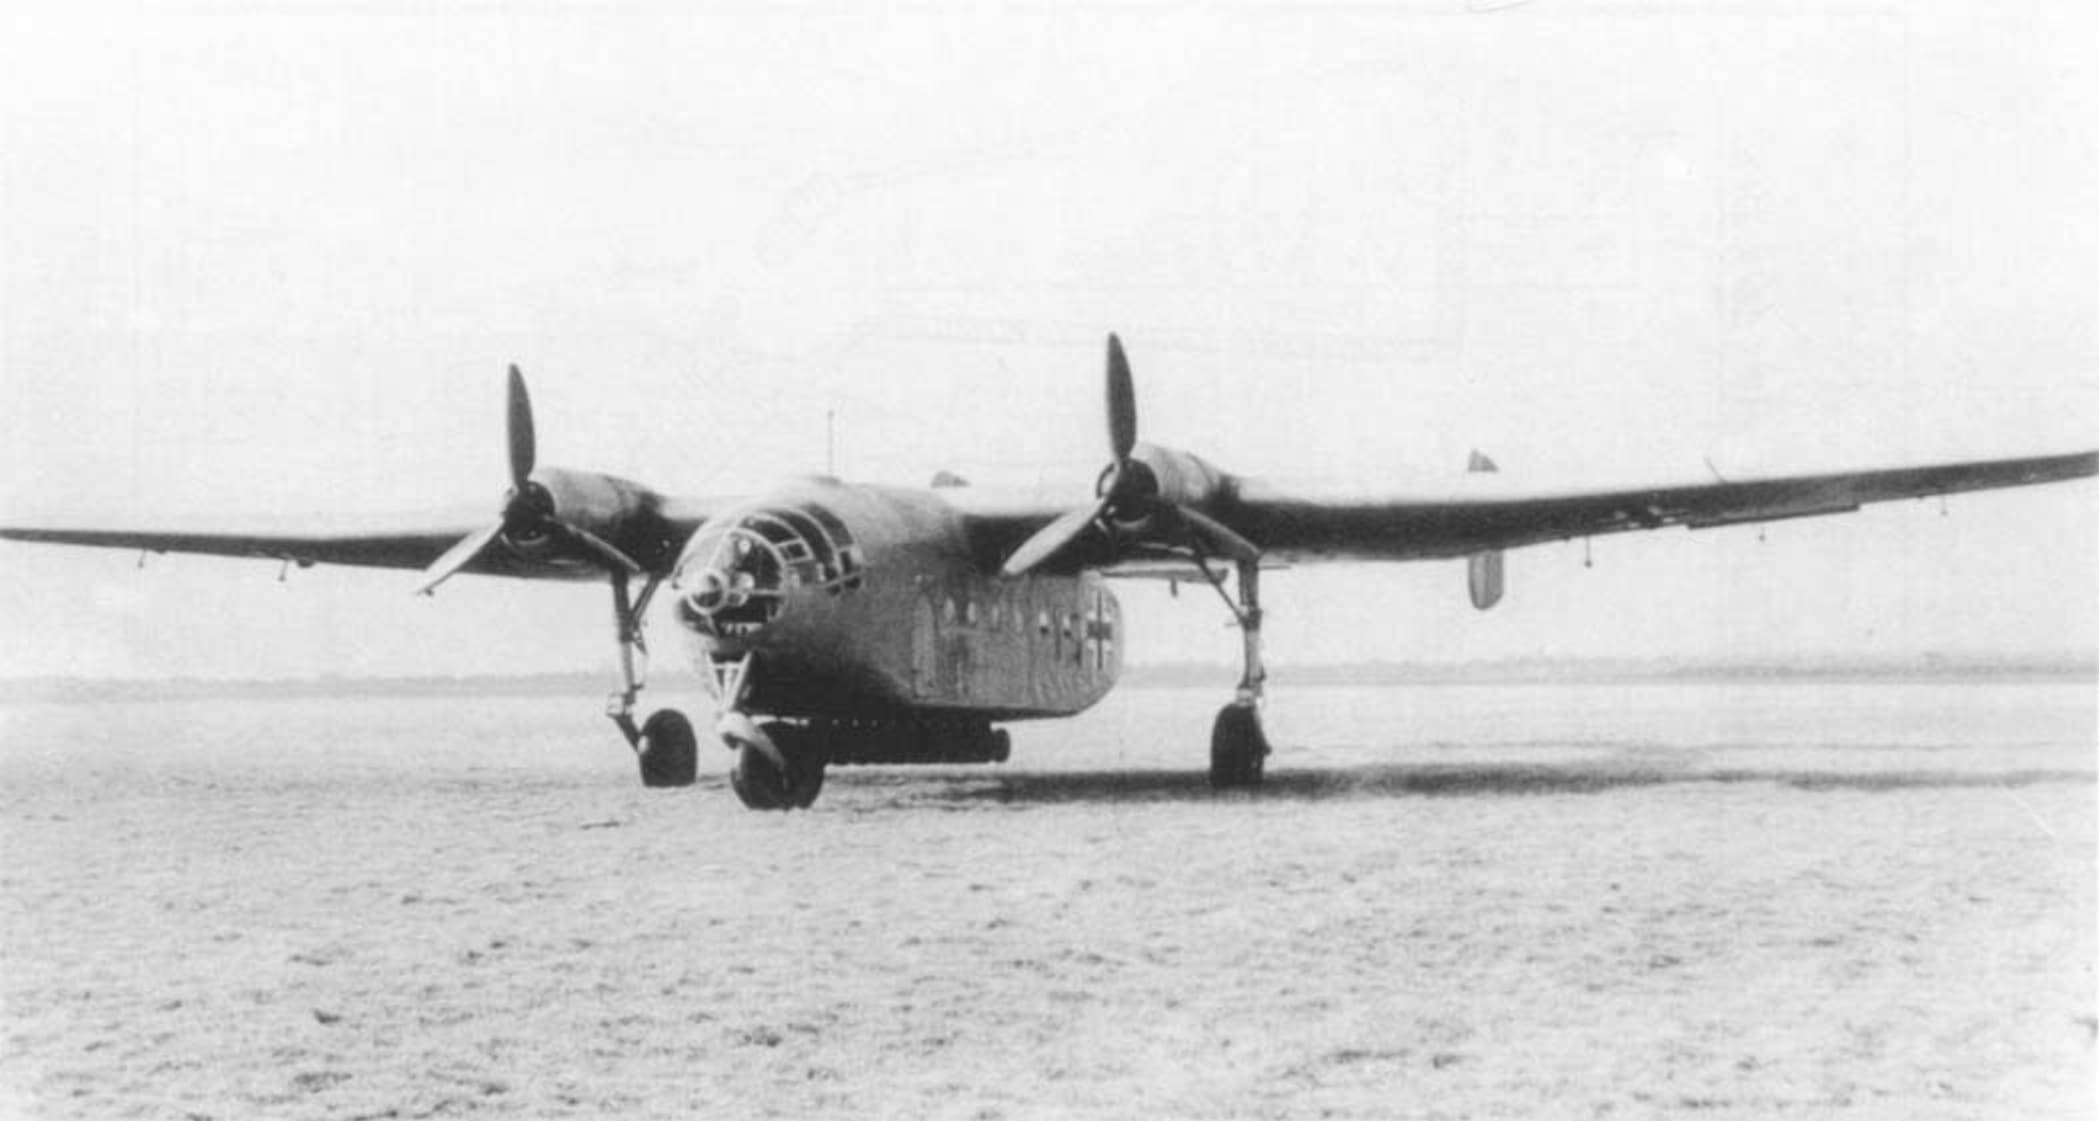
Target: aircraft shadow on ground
1446	780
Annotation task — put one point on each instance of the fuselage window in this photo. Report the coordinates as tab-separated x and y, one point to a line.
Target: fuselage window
818	543
801	566
844	550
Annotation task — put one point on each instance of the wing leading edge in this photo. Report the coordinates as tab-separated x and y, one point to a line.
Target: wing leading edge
393	547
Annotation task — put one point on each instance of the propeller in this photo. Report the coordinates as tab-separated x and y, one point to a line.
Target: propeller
529	511
1128	494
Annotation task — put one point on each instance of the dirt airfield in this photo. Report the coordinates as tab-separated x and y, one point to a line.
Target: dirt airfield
1812	901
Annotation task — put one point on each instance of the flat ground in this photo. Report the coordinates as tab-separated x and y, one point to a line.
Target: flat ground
1810	901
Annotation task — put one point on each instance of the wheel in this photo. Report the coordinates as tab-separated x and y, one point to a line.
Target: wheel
757	782
1238	750
761	784
667	750
808	783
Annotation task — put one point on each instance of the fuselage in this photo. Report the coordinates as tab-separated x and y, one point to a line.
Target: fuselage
864	602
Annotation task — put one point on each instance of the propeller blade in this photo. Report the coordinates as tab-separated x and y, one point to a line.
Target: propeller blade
458	557
1122	402
1052	539
606	551
1218	536
523	449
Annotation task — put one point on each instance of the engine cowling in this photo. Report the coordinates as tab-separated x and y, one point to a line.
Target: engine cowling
1159	478
617	510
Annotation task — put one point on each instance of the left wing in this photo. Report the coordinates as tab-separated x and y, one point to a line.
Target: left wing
1154	505
1482	512
1474	513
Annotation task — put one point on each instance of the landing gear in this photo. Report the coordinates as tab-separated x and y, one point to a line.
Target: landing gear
667	749
664	745
1238	749
1238	746
780	767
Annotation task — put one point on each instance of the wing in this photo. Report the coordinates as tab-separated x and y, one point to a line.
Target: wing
555	524
414	541
1482	512
1478	512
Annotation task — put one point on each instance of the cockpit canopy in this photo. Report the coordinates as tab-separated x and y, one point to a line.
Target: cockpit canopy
738	570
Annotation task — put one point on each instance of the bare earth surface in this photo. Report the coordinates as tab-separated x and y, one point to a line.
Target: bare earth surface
1813	901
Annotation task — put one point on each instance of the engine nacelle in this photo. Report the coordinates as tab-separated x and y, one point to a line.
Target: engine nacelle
1185	479
1160	478
618	510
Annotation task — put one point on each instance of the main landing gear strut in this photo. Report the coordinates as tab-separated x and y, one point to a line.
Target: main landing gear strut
1238	747
664	744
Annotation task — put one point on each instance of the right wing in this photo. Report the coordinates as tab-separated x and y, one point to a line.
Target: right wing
555	524
378	543
652	536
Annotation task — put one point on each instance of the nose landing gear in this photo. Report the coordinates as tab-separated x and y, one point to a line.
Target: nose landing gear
779	766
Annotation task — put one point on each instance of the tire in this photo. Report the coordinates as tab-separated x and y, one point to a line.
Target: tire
668	752
759	785
1238	749
808	783
807	753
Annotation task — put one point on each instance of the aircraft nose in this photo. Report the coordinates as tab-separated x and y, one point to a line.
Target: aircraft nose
725	602
709	591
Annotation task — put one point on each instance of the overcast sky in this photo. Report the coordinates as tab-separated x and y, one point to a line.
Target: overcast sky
260	258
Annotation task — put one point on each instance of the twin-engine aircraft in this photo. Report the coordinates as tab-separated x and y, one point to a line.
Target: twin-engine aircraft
846	623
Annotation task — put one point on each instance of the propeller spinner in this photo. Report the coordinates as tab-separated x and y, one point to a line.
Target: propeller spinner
529	513
1128	501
